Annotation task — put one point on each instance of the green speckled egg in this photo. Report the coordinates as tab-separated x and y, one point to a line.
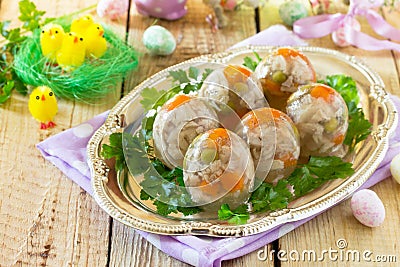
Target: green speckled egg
292	11
159	41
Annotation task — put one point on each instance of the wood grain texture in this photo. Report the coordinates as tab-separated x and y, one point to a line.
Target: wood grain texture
46	219
194	37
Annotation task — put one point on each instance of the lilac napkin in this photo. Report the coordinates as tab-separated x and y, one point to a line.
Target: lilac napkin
276	35
70	158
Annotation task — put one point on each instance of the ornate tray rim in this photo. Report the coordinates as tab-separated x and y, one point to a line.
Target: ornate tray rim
100	170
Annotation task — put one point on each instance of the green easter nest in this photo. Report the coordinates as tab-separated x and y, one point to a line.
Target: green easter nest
90	82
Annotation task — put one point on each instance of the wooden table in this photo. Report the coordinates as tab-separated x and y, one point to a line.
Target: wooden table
47	220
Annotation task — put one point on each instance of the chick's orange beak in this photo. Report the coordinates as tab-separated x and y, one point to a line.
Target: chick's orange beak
101	33
75	39
50	32
43	98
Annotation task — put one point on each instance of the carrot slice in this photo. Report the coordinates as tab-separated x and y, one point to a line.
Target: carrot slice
235	74
219	136
323	91
209	188
231	181
176	102
288	160
338	139
264	115
289	52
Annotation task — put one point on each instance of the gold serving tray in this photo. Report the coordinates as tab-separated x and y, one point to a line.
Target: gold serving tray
118	193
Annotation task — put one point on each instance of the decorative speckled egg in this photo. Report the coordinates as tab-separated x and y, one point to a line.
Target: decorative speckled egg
368	208
159	41
292	11
395	168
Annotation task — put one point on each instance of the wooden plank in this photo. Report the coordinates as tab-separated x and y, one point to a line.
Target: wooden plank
325	230
46	219
194	38
269	12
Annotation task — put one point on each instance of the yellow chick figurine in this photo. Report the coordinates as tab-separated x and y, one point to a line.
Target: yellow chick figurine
96	44
51	39
80	25
72	51
43	106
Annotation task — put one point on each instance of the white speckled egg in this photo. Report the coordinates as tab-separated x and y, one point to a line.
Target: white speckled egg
395	168
292	11
368	208
159	41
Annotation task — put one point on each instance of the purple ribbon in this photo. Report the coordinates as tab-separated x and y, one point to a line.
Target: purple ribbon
322	25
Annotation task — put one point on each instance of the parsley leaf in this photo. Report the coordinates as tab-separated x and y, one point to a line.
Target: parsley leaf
30	16
205	74
240	215
179	76
150	96
169	195
134	156
251	63
268	197
164	209
6	91
316	172
189	82
193	72
114	150
359	127
345	85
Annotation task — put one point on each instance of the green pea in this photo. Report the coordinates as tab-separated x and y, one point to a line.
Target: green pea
231	104
208	155
279	77
331	125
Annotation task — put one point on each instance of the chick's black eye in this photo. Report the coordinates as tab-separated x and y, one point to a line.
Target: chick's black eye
56	31
51	94
70	34
98	28
81	39
37	97
42	31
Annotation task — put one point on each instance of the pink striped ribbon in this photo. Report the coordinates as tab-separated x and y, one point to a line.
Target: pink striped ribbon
322	25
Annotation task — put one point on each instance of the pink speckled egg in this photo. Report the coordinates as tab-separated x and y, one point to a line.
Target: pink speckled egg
163	9
368	208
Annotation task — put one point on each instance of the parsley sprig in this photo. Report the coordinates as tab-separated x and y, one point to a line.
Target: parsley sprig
163	186
318	171
251	63
306	177
31	19
240	215
359	127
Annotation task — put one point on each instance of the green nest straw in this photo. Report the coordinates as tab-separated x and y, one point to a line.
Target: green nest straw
90	82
